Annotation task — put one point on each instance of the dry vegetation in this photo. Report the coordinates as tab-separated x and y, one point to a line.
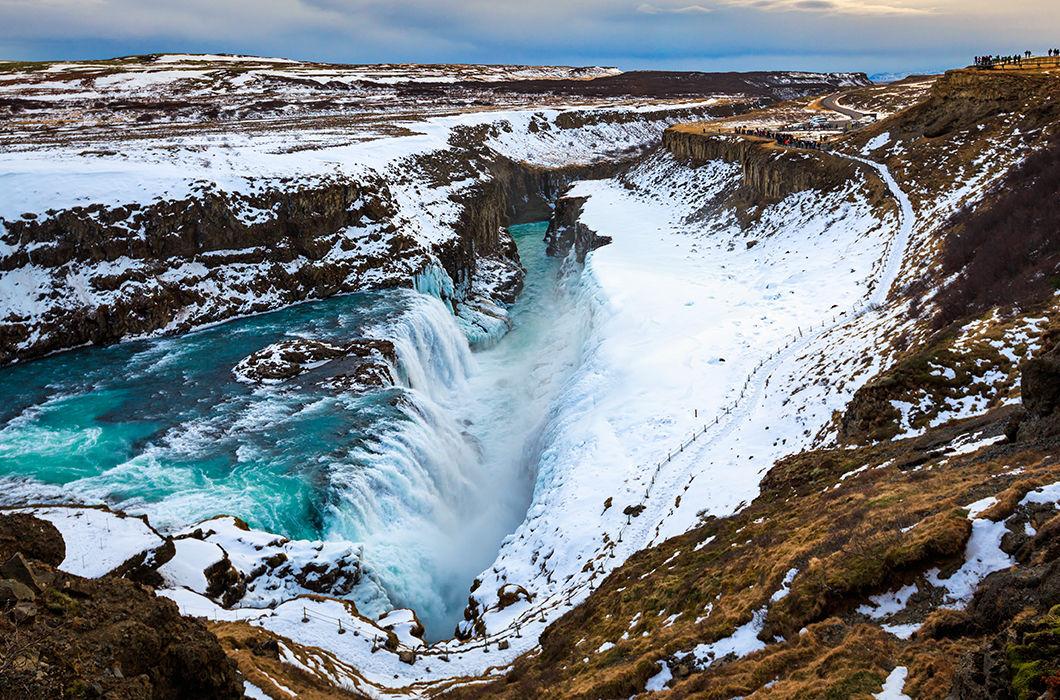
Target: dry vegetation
971	359
1006	251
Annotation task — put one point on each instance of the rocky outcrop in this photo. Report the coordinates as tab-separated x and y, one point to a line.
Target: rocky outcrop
566	232
271	568
66	636
962	98
768	174
1017	611
107	273
521	193
285	359
1040	395
362	364
530	192
35	538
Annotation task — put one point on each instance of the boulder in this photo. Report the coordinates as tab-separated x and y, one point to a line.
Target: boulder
1040	394
1040	386
34	538
18	569
14	592
362	364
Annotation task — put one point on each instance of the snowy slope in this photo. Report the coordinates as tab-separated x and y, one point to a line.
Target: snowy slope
684	311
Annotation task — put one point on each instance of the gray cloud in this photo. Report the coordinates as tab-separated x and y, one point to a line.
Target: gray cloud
703	34
852	7
648	9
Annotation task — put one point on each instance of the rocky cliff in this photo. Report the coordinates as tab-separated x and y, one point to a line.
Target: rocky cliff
768	173
565	231
963	97
97	273
103	273
63	636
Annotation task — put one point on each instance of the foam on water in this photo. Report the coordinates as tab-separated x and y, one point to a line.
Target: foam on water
430	475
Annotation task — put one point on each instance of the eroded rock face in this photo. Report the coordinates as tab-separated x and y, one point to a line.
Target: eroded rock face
66	636
176	265
565	232
257	569
768	174
369	363
1040	395
337	577
1017	609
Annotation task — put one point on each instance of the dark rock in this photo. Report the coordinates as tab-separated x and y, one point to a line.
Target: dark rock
1040	394
566	232
982	675
1013	425
407	657
13	592
264	647
75	646
330	578
285	359
143	567
1000	607
23	612
510	594
224	582
18	568
768	174
34	538
633	511
1040	385
275	560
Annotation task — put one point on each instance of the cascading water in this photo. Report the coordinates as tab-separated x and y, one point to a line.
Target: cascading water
430	475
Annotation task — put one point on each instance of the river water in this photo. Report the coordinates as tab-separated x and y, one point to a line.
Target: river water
429	475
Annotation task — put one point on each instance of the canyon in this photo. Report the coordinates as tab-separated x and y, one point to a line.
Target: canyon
554	356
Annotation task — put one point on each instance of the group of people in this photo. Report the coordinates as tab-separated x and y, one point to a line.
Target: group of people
780	137
986	61
1015	59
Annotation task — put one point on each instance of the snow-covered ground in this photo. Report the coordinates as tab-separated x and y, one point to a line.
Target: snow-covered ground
693	323
242	167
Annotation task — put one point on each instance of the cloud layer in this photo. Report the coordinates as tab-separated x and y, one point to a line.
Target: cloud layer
870	35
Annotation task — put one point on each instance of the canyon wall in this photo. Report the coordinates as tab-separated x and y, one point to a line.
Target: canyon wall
96	274
768	174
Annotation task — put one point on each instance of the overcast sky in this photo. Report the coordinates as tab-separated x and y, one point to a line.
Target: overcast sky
866	35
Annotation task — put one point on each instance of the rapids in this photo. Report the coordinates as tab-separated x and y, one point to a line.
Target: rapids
429	475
